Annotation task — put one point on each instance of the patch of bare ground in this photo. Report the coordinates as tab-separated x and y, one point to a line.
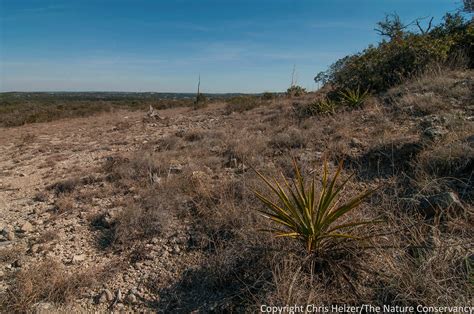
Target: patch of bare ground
165	208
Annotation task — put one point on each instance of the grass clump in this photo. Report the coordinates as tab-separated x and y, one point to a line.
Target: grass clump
302	215
45	282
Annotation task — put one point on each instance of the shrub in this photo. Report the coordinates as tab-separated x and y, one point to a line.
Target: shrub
268	96
407	53
313	220
295	91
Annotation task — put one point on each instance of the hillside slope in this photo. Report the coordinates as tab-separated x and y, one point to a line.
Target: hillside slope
163	210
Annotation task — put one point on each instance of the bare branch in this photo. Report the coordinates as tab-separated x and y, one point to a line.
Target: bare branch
424	31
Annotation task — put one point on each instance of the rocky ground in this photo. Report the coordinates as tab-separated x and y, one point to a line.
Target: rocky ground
35	156
58	201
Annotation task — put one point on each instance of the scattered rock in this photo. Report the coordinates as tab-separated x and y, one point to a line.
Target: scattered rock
356	142
5	243
215	149
175	168
78	258
108	219
131	298
442	202
106	296
119	295
433	120
176	249
35	248
43	307
109	296
26	227
119	306
155	178
199	176
434	133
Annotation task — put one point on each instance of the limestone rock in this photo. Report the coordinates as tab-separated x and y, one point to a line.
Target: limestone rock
76	259
26	227
106	296
131	298
434	133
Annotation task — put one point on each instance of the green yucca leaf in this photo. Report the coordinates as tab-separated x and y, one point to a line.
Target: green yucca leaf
306	217
354	98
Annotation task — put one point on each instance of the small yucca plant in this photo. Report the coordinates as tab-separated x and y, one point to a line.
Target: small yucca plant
354	98
324	105
312	219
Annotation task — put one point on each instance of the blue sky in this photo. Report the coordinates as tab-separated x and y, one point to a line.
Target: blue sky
162	46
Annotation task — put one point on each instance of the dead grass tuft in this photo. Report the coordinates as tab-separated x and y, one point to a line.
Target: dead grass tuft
63	203
65	186
9	255
45	282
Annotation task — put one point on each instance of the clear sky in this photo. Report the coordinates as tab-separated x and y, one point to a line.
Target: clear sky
162	46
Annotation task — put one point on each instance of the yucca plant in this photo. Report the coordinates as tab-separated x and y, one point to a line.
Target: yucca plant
313	219
324	105
354	97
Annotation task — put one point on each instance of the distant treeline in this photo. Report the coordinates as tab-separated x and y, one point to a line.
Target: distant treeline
18	108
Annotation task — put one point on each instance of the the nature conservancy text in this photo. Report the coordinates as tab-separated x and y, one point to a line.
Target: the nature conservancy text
364	308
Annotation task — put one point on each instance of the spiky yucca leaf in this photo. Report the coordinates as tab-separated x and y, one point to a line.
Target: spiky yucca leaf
354	98
299	213
324	106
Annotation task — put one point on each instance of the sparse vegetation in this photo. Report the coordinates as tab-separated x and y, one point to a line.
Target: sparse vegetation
45	282
244	103
173	199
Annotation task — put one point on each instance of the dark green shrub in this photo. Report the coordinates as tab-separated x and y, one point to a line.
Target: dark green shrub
295	91
268	96
407	53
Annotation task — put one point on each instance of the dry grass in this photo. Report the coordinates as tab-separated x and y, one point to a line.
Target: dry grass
9	255
198	182
64	203
45	282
